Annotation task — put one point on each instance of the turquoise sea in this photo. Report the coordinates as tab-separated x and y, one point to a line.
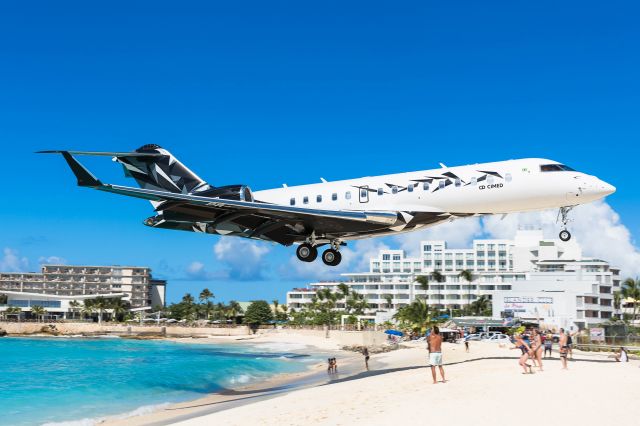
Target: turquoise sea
78	380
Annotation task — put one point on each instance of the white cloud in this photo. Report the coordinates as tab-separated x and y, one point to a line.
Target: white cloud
11	261
595	226
52	260
240	258
458	234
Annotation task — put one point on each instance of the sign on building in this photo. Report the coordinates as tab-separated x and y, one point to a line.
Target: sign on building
597	334
528	307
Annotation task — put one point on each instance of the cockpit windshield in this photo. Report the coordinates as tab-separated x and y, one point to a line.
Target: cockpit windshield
555	168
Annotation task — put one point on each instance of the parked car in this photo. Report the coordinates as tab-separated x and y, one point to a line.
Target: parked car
474	336
499	338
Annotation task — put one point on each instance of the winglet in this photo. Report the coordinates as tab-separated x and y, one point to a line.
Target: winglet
84	176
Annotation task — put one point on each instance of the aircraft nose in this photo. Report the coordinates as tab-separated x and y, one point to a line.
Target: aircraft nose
599	188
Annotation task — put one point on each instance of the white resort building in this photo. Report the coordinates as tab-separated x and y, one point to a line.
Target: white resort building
529	277
56	286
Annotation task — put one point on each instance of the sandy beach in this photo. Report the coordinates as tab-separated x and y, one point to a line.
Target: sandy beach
484	387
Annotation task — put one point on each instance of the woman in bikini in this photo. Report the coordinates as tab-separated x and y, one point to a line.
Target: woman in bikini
537	348
526	349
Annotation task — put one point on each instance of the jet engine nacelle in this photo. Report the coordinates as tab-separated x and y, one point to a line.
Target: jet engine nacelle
229	192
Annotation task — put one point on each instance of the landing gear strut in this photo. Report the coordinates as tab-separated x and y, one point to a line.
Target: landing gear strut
563	216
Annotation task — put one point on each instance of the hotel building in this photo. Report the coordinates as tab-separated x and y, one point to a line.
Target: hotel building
57	285
529	277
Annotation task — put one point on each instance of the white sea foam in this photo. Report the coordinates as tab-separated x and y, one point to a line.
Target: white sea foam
140	411
280	346
240	379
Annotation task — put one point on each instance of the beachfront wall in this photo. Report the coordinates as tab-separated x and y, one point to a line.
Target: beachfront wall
17	328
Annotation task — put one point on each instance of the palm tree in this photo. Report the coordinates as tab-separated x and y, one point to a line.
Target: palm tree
389	299
617	302
423	283
119	308
631	290
416	315
343	290
204	297
75	306
467	275
99	304
439	278
275	308
38	311
234	309
14	310
87	309
481	306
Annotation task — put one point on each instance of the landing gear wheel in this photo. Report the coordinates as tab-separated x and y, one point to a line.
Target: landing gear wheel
565	235
306	252
331	257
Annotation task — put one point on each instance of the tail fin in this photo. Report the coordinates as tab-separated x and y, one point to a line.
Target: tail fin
160	171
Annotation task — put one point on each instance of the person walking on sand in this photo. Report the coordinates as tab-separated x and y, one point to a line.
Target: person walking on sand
434	346
365	352
564	348
536	348
466	345
526	350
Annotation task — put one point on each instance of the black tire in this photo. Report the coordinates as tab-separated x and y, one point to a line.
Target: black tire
306	252
331	257
565	235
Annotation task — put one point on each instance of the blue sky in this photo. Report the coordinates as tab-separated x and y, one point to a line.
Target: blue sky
265	93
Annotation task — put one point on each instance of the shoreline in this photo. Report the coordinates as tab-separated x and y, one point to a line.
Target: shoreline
274	386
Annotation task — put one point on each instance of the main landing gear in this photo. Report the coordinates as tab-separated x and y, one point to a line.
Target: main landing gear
307	252
563	215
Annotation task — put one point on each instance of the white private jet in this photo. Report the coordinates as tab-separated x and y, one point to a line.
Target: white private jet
330	213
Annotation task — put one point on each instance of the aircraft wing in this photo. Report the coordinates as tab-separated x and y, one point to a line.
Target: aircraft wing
253	219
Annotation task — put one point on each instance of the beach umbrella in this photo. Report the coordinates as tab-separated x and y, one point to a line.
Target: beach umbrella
394	332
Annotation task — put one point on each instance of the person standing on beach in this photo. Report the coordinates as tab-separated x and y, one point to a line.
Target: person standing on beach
564	348
365	352
434	346
548	344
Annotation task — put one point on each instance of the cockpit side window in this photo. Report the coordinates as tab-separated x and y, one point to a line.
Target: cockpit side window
555	168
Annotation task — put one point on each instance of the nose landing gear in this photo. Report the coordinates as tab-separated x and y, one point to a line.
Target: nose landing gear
563	215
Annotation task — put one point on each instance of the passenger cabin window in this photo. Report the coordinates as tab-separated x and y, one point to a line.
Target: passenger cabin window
458	182
555	168
305	200
425	186
441	184
363	193
410	187
347	195
334	196
292	201
394	189
380	191
319	198
508	177
474	181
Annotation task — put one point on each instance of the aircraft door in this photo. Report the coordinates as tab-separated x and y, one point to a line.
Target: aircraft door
364	194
